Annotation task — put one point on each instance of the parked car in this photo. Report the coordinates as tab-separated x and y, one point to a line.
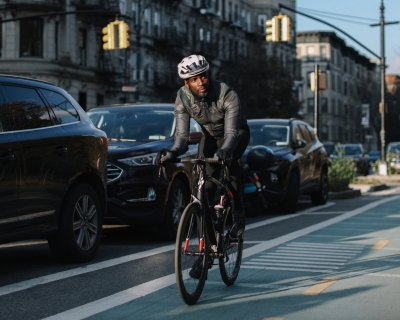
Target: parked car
301	162
137	193
373	156
356	152
393	155
53	169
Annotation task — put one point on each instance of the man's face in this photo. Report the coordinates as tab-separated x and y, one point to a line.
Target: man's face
198	84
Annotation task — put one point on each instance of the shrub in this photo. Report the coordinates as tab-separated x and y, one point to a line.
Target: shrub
341	172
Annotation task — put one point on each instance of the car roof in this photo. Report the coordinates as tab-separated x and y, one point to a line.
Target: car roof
270	121
154	105
17	79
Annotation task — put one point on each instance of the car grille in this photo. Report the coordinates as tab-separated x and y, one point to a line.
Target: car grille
113	172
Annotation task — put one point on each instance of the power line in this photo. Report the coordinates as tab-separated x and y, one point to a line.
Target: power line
338	14
341	19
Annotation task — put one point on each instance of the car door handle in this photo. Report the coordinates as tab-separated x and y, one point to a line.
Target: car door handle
6	157
60	150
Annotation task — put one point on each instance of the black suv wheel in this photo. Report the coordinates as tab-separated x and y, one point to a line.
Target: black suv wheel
80	226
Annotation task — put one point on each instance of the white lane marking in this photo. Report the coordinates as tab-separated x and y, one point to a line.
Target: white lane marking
287	265
300	257
285	260
284	269
94	307
110	301
78	271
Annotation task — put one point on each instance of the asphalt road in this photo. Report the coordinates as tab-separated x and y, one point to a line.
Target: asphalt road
319	263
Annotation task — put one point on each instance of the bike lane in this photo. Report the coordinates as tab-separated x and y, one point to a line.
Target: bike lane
329	270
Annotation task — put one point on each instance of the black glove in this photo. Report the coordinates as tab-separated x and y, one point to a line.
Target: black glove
164	155
224	154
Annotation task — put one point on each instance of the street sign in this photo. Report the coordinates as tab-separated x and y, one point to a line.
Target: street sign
129	89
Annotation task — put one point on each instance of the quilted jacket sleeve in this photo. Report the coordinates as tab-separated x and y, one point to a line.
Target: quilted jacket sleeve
182	127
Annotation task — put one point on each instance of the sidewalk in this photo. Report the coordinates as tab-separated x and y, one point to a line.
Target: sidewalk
386	182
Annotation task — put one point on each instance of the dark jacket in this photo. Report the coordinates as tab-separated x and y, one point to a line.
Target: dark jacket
220	115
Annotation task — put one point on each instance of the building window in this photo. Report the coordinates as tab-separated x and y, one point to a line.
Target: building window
309	79
194	36
325	133
56	26
345	88
82	100
122	6
310	105
324	105
201	34
310	53
230	13
31	38
186	33
262	18
333	82
156	26
346	109
99	99
82	47
332	57
134	13
323	53
333	106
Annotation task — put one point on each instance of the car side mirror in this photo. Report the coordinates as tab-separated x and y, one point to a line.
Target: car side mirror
300	143
194	137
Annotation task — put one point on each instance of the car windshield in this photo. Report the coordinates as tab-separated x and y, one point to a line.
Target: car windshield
269	135
374	153
134	125
348	150
330	148
394	148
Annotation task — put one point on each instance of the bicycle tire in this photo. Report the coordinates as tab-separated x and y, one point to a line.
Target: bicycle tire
229	264
189	229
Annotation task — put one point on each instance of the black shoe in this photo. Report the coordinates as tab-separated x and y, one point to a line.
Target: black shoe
197	267
239	224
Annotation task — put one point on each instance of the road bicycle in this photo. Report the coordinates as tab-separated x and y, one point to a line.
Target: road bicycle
204	235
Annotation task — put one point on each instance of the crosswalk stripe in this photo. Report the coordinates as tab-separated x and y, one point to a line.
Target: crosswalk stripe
298	261
290	265
300	257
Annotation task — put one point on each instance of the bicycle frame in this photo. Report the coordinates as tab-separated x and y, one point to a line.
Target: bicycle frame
215	236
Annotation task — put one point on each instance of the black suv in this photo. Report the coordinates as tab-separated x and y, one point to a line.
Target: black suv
301	162
138	193
52	169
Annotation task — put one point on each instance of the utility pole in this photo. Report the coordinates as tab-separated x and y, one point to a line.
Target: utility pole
316	100
382	24
138	47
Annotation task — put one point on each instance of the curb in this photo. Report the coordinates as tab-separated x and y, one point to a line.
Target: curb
378	187
348	194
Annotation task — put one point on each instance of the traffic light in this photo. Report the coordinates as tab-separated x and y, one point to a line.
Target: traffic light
109	37
271	30
123	31
116	39
286	29
278	29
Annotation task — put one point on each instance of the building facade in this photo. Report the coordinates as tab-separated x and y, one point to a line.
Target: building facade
346	107
67	48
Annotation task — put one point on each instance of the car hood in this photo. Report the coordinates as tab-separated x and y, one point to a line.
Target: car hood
118	149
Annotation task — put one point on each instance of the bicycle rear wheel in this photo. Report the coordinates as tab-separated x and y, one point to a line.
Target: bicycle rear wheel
229	264
189	254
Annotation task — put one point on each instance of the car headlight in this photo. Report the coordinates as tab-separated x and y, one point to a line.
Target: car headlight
143	160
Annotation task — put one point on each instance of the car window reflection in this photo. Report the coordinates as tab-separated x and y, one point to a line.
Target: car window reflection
269	135
135	125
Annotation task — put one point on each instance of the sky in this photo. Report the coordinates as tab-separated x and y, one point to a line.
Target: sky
369	36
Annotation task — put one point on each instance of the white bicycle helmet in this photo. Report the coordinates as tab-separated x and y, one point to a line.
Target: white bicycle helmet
192	66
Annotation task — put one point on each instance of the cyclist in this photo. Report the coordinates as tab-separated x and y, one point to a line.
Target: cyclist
216	108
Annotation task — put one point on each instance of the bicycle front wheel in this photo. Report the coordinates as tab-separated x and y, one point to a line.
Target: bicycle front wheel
191	255
229	264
